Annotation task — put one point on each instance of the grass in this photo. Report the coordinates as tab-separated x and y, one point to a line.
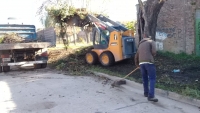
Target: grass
195	93
180	56
189	62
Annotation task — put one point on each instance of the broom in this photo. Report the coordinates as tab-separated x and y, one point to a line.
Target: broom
122	81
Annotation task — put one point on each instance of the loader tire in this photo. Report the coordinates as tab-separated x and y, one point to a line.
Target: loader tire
5	68
91	58
107	58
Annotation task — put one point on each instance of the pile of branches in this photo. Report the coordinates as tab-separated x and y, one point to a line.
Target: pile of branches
11	38
72	61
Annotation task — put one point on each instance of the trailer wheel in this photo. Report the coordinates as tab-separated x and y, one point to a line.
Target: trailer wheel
44	65
5	68
37	66
91	57
107	58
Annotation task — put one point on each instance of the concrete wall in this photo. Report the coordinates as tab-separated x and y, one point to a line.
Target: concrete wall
176	26
47	35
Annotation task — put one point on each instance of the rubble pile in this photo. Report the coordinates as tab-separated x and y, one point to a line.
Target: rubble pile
11	38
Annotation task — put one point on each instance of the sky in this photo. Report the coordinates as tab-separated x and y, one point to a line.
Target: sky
25	10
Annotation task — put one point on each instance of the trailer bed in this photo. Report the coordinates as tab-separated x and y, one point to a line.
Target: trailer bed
24	45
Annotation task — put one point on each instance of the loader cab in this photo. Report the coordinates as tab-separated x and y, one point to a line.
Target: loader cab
100	38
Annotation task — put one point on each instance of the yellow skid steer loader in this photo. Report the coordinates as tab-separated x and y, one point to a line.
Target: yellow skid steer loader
112	42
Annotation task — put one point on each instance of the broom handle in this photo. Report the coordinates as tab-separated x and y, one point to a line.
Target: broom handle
131	72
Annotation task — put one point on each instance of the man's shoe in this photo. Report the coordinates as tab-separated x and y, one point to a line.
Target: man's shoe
153	99
145	94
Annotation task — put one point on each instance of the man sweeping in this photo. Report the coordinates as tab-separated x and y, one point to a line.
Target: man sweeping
144	59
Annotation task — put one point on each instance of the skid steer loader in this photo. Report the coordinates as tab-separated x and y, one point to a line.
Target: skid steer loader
112	42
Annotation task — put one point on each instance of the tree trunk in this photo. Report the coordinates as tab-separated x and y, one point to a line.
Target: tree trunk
147	17
64	35
74	34
86	30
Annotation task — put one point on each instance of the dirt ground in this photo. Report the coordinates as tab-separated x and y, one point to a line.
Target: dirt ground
52	91
188	77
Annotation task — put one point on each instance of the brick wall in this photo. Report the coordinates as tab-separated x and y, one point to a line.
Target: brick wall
176	26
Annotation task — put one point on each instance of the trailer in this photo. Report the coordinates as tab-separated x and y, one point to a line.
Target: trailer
30	51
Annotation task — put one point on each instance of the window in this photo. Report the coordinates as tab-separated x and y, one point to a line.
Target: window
101	39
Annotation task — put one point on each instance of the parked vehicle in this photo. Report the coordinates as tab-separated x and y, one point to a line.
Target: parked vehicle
26	51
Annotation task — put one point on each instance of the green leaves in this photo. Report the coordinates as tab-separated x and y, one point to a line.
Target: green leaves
195	93
60	11
1	39
130	25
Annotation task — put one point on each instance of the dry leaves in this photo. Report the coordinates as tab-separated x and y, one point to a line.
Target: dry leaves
11	38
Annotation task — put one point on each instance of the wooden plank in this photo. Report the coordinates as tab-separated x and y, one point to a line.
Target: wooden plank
24	45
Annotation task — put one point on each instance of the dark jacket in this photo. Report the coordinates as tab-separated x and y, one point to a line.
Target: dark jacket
146	51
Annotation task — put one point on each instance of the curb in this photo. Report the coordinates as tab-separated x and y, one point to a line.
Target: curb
160	92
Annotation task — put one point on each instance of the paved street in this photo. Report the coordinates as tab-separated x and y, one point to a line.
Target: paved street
47	91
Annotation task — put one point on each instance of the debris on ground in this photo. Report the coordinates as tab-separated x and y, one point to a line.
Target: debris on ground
184	82
69	60
11	38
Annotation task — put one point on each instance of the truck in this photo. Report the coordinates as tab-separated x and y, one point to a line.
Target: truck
112	41
30	51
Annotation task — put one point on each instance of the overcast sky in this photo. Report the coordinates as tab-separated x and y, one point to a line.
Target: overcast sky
25	10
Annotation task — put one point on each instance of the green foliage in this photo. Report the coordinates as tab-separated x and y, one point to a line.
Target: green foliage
181	56
49	22
191	92
60	66
58	62
130	25
60	11
1	39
